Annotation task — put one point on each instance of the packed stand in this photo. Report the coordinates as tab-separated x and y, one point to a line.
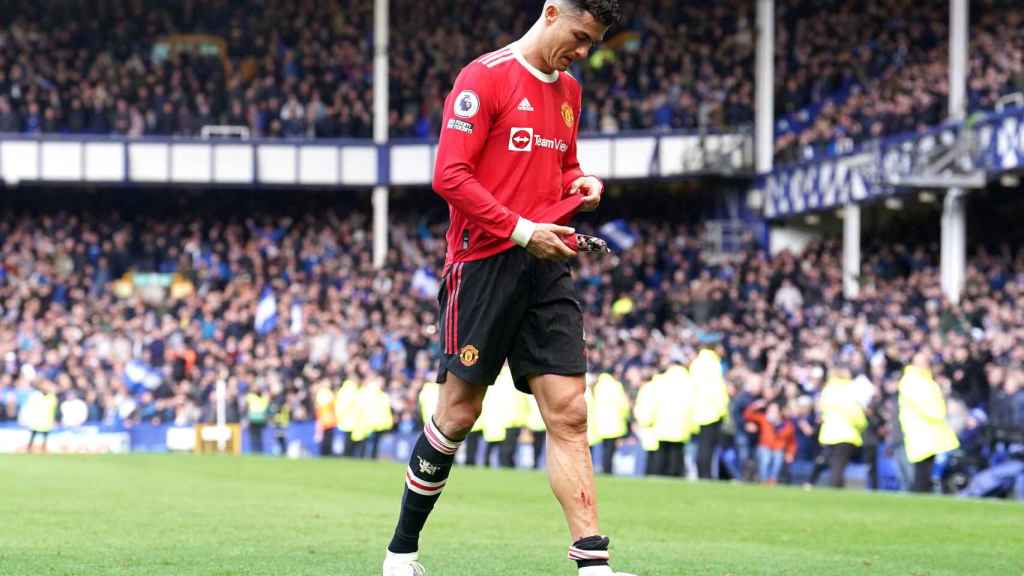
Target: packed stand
282	69
670	65
139	316
881	67
844	71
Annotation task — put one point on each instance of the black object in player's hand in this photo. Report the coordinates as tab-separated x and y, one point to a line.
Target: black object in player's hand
591	244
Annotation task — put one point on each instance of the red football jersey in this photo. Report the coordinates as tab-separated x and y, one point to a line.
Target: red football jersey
507	150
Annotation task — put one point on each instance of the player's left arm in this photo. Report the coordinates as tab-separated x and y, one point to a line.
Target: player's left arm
574	181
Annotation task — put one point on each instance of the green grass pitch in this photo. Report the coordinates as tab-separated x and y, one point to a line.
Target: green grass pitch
222	515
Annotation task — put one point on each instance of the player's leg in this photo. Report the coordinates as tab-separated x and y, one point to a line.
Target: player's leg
478	304
548	360
432	457
570	470
458	407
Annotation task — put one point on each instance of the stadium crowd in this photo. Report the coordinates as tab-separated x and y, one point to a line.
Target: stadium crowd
845	70
894	77
122	318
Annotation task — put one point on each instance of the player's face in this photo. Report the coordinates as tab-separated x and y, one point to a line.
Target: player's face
574	36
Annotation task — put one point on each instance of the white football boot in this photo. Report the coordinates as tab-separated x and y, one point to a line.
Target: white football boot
403	565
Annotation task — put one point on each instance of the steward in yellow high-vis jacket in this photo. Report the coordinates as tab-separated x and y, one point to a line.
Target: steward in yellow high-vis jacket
710	405
842	423
257	410
346	408
610	416
673	417
374	416
326	418
644	410
429	394
923	421
502	419
40	414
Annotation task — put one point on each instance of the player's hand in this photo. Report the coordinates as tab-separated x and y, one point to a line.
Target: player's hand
546	242
591	188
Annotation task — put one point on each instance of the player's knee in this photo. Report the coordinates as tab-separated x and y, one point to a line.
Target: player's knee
568	417
457	420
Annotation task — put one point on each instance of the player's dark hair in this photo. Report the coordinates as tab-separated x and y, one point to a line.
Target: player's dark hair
607	12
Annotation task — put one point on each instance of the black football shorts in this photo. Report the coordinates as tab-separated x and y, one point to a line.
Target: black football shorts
510	306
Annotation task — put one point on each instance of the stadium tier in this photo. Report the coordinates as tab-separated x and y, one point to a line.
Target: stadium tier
847	71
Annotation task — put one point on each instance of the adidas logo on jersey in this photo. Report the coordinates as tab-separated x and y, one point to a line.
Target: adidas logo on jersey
524	106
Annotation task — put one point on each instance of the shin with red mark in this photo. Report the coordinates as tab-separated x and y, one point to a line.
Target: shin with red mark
586	499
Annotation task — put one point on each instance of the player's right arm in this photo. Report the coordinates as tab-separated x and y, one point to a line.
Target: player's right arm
469	112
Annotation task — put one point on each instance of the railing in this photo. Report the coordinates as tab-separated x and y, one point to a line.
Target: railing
335	163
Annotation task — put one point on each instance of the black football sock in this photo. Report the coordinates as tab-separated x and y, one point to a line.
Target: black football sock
590	551
429	464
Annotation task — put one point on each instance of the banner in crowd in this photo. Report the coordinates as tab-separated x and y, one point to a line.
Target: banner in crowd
80	440
990	144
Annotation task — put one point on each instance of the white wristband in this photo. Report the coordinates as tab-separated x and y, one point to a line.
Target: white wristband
523	232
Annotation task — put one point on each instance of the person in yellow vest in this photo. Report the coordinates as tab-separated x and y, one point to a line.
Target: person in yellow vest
611	416
346	410
429	394
326	418
373	416
472	442
710	405
842	424
535	423
41	414
380	416
922	408
498	412
644	410
257	408
673	419
280	407
518	414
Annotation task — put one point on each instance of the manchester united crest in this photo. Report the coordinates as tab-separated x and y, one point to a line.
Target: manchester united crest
469	355
567	114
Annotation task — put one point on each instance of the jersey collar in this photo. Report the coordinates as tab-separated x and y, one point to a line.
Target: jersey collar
547	78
